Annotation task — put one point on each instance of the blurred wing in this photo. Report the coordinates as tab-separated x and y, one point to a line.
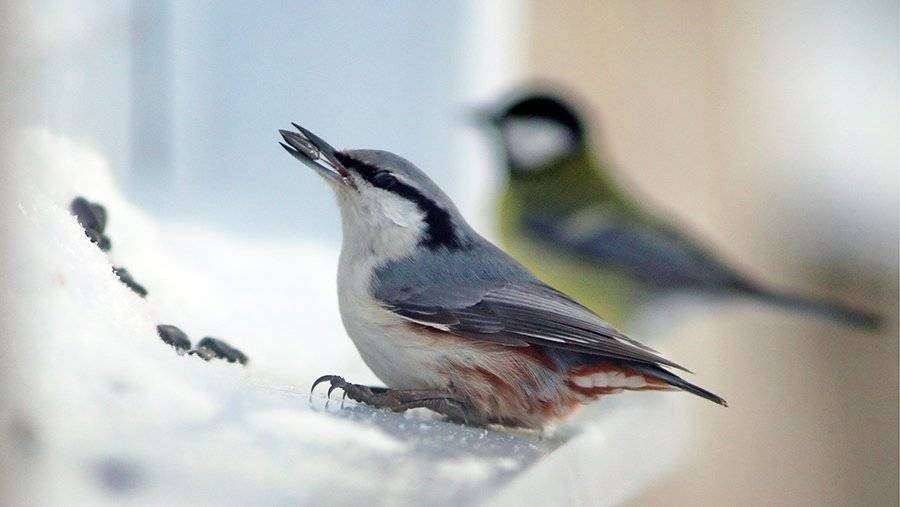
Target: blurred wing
518	314
654	254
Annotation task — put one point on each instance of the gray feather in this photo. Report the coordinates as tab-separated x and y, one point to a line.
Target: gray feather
655	255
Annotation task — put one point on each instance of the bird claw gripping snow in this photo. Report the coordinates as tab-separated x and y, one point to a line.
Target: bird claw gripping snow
400	400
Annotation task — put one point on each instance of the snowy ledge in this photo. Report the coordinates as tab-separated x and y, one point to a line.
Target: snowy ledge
99	410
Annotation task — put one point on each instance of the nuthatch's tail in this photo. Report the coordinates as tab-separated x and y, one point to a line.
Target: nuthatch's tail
826	308
673	380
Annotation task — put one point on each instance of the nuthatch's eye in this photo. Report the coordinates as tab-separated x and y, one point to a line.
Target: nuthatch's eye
384	179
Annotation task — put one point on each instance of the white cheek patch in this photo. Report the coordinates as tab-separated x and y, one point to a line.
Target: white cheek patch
533	142
384	215
378	225
398	210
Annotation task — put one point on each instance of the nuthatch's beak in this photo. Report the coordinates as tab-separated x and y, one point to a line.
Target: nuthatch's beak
316	153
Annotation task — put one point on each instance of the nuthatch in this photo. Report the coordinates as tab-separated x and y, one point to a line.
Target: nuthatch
451	323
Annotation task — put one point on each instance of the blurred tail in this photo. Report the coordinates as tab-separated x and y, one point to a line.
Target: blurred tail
821	307
676	381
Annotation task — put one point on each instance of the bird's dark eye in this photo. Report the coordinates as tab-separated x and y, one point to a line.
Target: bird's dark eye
384	179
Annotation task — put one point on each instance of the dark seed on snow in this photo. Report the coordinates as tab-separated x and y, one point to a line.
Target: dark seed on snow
100	215
126	278
173	336
209	348
98	239
87	217
92	218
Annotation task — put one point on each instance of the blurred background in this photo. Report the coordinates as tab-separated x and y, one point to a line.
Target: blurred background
770	128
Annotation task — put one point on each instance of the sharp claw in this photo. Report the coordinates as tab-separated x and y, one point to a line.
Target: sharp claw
465	415
319	380
332	388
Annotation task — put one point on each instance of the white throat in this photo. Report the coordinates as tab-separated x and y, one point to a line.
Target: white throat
378	226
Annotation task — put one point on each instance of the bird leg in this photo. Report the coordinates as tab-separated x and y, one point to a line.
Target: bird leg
441	401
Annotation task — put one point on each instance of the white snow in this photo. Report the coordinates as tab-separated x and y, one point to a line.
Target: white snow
326	431
474	469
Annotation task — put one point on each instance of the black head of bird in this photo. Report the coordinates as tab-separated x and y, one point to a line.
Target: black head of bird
537	131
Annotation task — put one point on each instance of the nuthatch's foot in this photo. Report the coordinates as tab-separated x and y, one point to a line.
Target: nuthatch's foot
400	400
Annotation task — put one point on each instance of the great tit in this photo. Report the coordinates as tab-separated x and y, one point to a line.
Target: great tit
564	216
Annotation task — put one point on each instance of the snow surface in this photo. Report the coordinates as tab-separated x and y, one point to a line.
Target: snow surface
98	410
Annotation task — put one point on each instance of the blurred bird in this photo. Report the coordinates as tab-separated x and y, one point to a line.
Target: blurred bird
451	323
563	216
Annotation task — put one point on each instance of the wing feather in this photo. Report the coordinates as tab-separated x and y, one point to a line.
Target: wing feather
651	252
519	313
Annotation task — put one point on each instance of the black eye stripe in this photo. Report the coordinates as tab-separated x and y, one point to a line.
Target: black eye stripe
440	231
384	179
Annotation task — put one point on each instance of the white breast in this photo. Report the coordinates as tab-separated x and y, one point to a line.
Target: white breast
398	355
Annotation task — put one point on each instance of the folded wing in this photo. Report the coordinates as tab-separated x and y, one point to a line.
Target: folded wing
517	314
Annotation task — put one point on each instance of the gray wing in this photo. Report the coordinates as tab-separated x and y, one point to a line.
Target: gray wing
655	254
516	314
